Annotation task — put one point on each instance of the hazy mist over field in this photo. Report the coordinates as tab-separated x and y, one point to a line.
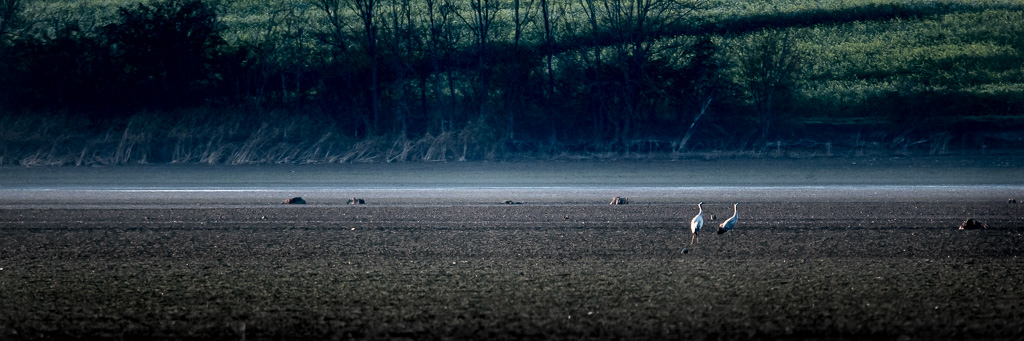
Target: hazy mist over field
492	183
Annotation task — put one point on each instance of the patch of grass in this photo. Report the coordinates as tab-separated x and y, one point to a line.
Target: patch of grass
217	137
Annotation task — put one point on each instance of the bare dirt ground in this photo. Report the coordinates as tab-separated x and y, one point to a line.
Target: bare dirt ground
860	257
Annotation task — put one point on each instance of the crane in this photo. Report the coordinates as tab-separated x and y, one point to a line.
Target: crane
697	222
729	224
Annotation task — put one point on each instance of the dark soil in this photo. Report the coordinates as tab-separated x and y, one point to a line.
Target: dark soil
795	270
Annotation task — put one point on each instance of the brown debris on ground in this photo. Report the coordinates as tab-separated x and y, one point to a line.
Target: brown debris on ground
972	224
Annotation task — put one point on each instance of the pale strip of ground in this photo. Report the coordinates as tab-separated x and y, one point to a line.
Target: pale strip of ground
957	178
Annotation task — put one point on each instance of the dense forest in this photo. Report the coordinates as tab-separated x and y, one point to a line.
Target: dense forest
319	81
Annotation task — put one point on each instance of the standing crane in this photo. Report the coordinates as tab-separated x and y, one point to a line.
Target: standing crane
697	222
729	224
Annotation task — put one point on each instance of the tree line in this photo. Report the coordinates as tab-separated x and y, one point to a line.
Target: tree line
583	75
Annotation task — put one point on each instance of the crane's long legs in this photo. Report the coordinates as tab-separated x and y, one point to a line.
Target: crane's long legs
694	236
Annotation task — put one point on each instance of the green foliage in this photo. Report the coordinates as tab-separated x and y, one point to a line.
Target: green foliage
153	57
12	19
612	72
854	65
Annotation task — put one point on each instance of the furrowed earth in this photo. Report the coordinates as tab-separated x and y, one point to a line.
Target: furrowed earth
841	266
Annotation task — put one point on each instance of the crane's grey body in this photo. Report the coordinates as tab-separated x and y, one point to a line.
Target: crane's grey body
729	224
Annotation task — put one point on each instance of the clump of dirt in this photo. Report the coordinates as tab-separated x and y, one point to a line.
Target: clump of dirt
972	224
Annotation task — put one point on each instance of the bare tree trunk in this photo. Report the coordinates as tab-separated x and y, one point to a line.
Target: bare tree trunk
515	100
337	37
481	20
596	98
547	47
689	131
284	88
365	10
769	69
432	51
299	64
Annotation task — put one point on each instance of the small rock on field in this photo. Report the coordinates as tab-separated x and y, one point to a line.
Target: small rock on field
356	201
972	224
510	202
619	201
294	201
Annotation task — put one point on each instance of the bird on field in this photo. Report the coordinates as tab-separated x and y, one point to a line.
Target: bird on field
729	224
697	222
